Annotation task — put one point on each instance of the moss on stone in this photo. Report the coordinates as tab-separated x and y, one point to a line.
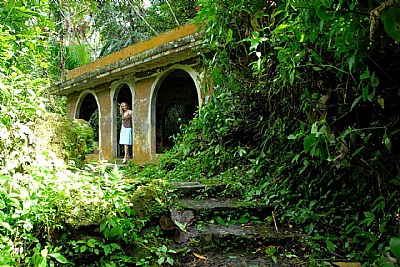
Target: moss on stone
68	139
149	201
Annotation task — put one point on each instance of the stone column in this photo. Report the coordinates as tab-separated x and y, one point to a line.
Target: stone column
142	128
105	122
72	100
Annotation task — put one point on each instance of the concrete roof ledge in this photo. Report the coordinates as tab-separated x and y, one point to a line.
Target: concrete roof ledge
134	58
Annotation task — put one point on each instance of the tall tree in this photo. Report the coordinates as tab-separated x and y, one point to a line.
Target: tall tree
24	71
76	40
125	22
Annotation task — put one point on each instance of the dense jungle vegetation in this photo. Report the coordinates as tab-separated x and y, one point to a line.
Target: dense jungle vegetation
305	117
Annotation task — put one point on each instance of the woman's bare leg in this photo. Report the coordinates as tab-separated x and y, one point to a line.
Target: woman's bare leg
126	151
126	156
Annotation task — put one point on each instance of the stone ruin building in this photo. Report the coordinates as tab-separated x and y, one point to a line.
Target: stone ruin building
159	78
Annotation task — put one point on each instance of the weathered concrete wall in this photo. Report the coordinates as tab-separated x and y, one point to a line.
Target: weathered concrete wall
142	123
105	122
72	101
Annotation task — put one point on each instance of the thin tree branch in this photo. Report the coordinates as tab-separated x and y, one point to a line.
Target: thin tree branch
172	12
145	21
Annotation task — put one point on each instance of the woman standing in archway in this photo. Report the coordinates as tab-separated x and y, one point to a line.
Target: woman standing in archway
125	137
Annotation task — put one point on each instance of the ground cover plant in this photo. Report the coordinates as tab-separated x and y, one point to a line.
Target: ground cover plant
304	116
54	210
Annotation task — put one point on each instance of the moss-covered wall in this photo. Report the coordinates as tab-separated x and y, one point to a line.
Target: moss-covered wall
142	123
67	139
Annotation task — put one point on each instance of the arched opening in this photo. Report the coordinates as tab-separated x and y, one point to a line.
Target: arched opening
176	104
89	111
124	94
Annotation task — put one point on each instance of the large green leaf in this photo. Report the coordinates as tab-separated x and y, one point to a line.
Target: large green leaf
395	246
391	21
322	13
310	141
77	55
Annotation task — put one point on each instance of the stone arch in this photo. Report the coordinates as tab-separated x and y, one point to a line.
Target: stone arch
122	92
88	109
175	99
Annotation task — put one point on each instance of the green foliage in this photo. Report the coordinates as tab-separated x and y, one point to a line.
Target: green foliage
303	116
395	246
392	22
24	27
79	142
73	42
23	50
46	216
53	213
86	30
77	55
27	216
136	22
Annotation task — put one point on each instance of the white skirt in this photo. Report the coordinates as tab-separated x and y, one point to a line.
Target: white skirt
125	137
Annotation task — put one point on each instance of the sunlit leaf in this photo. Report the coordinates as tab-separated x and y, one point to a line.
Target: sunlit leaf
199	256
219	220
60	258
170	261
44	252
351	62
229	37
387	142
161	260
381	101
347	264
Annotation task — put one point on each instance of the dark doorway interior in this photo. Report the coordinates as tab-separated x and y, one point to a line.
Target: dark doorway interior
89	111
176	104
124	95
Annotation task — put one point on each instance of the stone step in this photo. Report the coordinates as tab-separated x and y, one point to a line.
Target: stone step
188	185
241	236
238	245
211	259
208	209
196	189
118	164
234	259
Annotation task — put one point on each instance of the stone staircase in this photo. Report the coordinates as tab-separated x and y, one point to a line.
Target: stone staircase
215	231
207	229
